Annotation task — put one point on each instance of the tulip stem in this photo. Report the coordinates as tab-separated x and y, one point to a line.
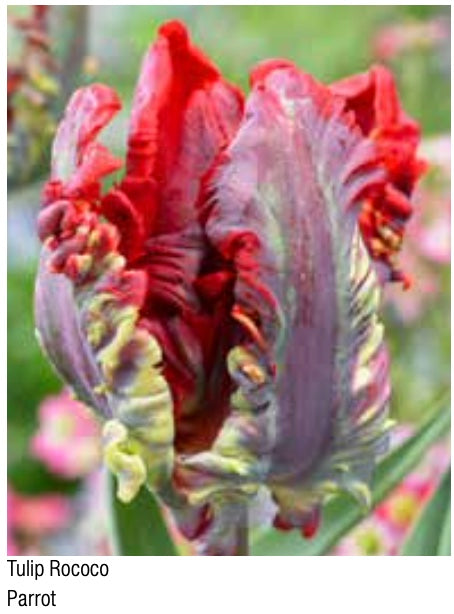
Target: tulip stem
242	534
138	528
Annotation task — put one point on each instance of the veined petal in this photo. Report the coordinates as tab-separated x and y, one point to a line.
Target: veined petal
219	306
312	374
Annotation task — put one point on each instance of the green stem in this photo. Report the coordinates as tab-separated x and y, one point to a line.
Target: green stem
138	528
242	534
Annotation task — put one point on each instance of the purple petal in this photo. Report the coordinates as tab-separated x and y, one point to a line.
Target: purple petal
284	211
58	327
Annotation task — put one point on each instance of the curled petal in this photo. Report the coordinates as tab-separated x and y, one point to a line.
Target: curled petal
91	332
88	312
90	109
120	211
59	333
372	98
97	162
123	460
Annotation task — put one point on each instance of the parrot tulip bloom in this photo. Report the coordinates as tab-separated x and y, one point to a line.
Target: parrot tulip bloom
218	306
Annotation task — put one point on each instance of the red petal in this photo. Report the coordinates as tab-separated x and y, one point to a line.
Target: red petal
183	114
311	524
374	101
88	112
118	209
96	163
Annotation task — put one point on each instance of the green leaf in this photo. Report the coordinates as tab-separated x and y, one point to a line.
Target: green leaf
425	537
444	547
341	514
138	527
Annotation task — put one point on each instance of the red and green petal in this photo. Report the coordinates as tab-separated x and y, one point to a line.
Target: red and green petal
88	310
79	162
184	114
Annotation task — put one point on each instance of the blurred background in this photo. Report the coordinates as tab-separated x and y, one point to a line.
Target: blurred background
55	492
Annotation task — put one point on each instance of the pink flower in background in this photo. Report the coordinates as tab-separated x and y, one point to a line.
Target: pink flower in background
427	248
401	509
67	440
372	538
67	443
40	514
89	533
438	152
393	40
433	224
55	525
32	517
384	532
432	235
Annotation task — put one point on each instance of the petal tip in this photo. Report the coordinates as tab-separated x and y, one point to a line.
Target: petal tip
175	32
260	72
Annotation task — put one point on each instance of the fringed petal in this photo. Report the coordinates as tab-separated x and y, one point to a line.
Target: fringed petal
129	276
372	98
184	113
92	333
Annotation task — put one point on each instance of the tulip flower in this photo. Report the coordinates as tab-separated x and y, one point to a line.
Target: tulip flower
218	306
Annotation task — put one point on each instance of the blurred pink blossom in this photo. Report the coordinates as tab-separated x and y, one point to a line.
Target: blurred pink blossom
32	517
372	538
384	532
67	440
393	40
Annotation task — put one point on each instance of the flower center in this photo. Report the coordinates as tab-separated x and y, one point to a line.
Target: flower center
369	542
403	509
63	428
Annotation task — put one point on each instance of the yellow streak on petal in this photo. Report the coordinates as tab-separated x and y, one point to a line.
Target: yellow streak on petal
122	459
